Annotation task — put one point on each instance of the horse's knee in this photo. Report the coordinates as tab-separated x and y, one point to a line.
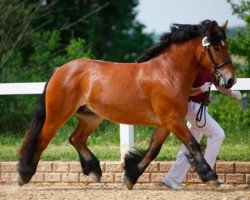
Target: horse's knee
193	146
77	141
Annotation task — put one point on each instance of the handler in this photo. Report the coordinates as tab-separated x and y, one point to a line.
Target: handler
208	126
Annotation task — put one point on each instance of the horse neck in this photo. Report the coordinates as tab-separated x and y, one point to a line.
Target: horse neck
181	60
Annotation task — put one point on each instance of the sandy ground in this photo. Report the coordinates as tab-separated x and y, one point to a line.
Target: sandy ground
119	192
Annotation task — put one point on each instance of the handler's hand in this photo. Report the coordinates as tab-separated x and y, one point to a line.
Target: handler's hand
205	87
236	94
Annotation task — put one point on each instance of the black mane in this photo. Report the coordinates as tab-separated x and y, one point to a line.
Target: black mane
181	33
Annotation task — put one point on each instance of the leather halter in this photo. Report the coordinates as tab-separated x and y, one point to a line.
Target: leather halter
206	44
216	66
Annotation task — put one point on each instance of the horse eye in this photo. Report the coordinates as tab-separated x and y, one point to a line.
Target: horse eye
216	48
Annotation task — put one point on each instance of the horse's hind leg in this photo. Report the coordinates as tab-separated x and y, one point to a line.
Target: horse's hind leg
32	149
49	117
136	163
88	122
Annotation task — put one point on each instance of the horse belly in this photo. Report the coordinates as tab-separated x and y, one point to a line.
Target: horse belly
138	114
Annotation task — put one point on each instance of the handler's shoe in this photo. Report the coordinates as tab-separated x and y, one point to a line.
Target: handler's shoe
171	183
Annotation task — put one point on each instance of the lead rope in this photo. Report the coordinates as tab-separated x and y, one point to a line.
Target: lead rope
202	110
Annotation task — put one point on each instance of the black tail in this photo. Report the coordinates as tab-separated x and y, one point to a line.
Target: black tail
27	164
31	138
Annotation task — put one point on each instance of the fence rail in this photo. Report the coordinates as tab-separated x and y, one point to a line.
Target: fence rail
126	131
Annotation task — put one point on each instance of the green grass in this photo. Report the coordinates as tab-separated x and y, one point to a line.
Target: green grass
104	143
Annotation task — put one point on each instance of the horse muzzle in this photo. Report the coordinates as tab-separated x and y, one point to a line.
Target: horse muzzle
224	80
226	83
230	82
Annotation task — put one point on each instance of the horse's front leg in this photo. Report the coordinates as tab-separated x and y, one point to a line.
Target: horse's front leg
136	163
206	173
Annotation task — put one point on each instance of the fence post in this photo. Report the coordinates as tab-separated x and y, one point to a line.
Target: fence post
244	101
126	139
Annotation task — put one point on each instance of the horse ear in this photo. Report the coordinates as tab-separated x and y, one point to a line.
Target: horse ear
212	27
224	26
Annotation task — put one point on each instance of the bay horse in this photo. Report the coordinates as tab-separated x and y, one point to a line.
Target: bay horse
152	91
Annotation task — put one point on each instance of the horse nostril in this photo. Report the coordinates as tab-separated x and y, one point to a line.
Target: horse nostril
230	82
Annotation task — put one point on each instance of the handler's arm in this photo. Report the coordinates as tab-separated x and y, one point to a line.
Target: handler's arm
233	93
204	88
224	90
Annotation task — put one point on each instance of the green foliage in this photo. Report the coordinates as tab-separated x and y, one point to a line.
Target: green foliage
229	114
47	47
77	49
242	9
42	60
240	45
110	27
15	31
46	54
16	112
14	60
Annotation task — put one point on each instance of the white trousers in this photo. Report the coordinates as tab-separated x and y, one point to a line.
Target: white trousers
215	136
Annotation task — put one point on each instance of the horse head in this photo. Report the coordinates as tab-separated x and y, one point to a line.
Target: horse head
213	54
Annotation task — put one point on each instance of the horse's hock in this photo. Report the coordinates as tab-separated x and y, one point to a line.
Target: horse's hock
55	172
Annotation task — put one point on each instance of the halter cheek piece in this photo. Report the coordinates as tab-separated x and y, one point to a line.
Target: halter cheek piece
206	44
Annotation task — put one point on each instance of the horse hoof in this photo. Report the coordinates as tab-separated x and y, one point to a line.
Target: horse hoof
20	181
214	183
96	178
128	183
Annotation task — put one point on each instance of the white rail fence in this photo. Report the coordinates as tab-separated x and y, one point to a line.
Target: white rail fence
126	131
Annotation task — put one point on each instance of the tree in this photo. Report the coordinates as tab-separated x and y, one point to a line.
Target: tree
109	27
15	19
16	110
240	45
